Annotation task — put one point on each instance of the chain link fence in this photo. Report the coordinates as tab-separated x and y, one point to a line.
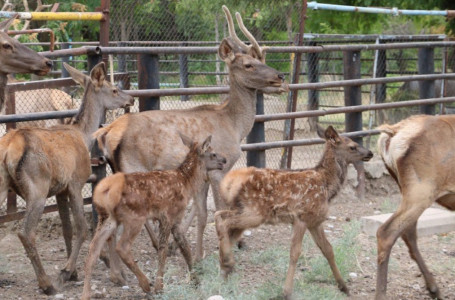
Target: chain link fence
181	23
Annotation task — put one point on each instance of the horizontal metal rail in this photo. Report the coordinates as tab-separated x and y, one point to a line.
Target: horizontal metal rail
55	16
377	10
302	142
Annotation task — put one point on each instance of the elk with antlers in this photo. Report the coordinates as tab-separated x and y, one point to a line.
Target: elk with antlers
17	58
301	197
419	154
130	199
38	163
160	146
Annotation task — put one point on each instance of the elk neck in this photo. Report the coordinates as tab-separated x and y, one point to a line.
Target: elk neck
241	107
89	116
3	82
334	170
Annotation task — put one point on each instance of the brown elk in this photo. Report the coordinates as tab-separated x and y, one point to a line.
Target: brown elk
17	58
160	146
38	163
300	197
131	199
418	152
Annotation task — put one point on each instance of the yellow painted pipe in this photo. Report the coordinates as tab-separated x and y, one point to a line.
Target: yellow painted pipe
63	16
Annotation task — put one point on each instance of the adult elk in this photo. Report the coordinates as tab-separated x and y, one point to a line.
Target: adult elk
299	197
38	163
150	140
17	58
419	154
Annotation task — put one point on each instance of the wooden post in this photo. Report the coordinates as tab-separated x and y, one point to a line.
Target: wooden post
353	121
313	76
381	89
426	87
257	135
183	71
148	78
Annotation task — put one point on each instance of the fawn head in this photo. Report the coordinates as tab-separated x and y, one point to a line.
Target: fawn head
17	58
209	159
344	147
110	96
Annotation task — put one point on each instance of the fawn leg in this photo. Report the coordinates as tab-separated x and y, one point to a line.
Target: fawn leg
152	234
298	230
33	213
183	245
131	228
410	238
165	231
103	231
321	240
201	202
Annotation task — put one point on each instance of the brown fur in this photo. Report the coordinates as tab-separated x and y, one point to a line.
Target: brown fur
160	147
17	58
418	152
131	199
38	163
265	196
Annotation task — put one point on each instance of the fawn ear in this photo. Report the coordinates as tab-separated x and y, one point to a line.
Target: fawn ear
76	75
186	140
206	144
331	135
98	74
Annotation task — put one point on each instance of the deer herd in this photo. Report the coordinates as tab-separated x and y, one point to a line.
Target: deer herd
181	153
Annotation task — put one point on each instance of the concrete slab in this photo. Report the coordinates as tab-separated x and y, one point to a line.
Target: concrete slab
432	221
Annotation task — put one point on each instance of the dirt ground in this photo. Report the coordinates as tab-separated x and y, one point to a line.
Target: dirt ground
17	279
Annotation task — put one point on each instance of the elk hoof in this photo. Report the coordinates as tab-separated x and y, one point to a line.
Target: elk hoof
49	290
242	245
435	293
118	278
344	289
67	275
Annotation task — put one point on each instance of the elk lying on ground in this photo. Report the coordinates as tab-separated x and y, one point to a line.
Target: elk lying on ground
161	148
131	199
17	58
264	196
38	163
419	154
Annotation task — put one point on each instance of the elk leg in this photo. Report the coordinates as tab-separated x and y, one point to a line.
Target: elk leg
201	202
67	228
131	228
165	231
326	248
152	234
298	230
33	213
183	245
387	235
103	231
77	207
409	236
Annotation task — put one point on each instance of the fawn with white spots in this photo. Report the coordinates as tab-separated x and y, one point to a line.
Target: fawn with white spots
300	197
131	199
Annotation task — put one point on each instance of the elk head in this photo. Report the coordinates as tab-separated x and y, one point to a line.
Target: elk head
17	58
247	62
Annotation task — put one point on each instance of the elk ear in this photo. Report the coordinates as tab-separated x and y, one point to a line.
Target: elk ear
5	25
206	144
76	75
226	50
98	74
186	140
331	135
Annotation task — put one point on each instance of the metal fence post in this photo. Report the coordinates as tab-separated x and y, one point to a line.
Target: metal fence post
353	96
426	87
257	135
313	76
183	71
148	78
